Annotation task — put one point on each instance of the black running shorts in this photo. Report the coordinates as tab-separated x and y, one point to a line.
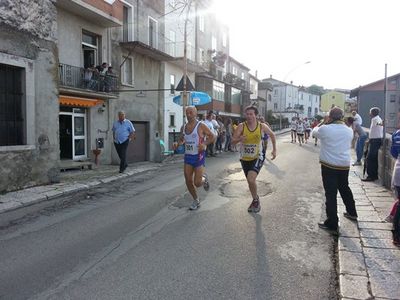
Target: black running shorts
252	165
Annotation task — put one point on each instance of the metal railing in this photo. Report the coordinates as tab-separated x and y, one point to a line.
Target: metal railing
87	79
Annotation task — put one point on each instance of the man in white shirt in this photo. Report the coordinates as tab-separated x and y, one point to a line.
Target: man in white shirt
357	118
210	124
335	157
374	143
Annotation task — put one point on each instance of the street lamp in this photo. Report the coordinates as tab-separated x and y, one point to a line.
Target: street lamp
281	92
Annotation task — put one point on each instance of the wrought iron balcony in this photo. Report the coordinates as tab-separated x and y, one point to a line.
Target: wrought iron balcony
87	79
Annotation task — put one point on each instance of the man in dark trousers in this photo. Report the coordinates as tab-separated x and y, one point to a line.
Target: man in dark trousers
123	132
374	143
335	158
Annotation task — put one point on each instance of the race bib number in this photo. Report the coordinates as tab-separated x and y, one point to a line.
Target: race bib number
190	149
249	151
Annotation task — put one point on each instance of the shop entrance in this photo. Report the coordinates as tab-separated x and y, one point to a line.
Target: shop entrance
73	133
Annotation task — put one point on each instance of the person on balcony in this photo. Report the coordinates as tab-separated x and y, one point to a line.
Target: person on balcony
109	80
88	77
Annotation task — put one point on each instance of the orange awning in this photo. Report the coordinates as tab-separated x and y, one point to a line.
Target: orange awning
77	101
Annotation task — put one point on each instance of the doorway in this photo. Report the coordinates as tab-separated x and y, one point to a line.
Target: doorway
73	133
138	150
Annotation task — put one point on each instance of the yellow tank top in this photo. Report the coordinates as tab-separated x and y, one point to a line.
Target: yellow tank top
251	146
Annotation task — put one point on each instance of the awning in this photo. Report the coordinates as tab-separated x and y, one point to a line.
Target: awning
80	102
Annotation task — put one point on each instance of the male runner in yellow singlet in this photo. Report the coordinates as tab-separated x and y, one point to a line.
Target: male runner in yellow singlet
249	134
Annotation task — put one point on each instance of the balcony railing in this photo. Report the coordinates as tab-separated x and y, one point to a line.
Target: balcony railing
80	78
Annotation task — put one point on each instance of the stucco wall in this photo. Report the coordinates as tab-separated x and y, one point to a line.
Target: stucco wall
149	108
28	35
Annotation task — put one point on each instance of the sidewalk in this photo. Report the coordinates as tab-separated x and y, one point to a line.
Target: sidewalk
369	263
17	204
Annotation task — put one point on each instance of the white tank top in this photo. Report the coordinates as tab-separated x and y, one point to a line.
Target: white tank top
192	141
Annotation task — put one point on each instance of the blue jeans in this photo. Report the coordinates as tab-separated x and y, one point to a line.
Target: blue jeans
360	146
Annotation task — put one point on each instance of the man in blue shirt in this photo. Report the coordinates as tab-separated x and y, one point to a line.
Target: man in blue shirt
123	132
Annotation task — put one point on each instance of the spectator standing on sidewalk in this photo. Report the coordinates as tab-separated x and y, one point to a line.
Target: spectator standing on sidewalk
209	122
374	143
395	213
123	132
362	137
335	157
228	135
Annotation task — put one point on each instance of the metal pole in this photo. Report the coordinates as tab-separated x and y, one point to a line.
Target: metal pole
185	71
384	127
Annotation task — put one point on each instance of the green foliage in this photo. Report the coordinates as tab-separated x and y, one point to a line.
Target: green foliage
316	89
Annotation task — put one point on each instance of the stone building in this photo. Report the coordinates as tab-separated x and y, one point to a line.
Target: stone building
29	142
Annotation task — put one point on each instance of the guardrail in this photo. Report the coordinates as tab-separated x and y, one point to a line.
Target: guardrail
88	79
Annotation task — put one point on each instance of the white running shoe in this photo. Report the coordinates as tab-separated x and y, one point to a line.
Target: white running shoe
195	205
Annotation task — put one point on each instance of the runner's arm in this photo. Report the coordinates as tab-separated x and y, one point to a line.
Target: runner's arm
238	135
209	137
266	129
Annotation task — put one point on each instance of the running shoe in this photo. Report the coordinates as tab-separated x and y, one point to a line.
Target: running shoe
206	184
195	205
254	206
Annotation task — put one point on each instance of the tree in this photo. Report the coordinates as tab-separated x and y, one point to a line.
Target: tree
316	89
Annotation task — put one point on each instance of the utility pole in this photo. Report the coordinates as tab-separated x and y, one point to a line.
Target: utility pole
384	125
185	71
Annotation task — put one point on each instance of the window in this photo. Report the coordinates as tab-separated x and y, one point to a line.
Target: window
275	92
213	43
275	106
242	75
224	39
12	112
234	70
127	23
316	111
127	71
236	97
172	42
392	98
171	120
90	45
201	55
201	23
172	84
218	90
269	98
152	32
333	97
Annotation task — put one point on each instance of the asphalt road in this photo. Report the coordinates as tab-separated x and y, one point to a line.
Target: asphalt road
137	240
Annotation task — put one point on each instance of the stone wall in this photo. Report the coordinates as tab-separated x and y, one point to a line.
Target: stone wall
28	40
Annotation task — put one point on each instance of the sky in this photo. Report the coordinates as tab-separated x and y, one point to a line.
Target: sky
347	42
